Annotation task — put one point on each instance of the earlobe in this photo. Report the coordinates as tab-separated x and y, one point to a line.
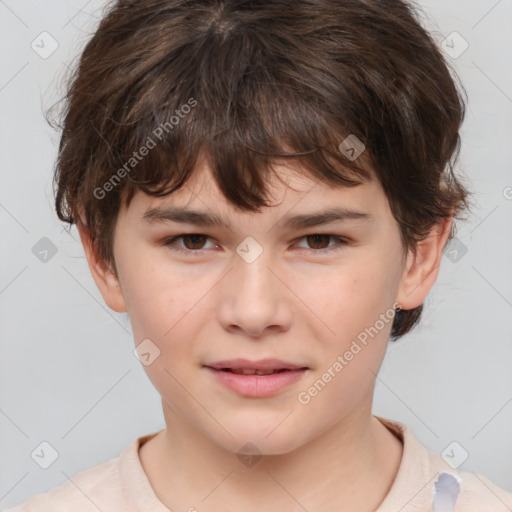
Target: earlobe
422	266
104	277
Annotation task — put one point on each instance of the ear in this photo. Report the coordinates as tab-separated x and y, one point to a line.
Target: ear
422	266
104	277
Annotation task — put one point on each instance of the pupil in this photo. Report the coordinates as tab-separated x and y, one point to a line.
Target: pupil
194	237
316	237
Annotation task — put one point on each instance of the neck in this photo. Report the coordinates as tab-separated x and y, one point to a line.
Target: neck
350	467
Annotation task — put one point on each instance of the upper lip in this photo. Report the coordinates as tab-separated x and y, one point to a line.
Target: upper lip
262	364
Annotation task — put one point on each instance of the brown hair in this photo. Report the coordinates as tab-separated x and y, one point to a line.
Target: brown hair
248	83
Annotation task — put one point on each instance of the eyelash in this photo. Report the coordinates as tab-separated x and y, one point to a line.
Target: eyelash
341	242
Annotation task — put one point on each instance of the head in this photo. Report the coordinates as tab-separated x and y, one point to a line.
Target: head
254	113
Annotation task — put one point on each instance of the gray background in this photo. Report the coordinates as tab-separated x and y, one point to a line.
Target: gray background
67	372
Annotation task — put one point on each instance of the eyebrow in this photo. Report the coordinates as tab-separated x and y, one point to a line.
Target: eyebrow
208	219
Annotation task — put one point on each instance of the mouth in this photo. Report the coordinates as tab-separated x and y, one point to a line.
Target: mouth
261	367
256	378
239	371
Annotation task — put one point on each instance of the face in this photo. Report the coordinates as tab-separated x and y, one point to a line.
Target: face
319	297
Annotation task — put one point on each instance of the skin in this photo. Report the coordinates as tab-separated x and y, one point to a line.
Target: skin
291	303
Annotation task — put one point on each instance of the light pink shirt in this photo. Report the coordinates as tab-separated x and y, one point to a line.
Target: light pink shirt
120	485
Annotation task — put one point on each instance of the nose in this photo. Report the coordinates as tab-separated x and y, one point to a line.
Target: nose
254	298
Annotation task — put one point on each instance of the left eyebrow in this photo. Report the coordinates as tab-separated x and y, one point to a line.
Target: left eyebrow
327	216
208	219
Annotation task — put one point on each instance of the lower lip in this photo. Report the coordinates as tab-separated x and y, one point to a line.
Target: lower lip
257	386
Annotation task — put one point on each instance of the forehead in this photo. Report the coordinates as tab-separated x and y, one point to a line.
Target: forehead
289	188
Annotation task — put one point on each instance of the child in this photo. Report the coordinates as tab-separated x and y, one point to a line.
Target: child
260	129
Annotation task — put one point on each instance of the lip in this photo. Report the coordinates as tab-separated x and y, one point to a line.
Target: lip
262	364
256	386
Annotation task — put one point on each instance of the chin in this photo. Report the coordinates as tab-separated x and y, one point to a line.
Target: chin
255	438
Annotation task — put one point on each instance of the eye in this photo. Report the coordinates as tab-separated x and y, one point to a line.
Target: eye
194	242
320	239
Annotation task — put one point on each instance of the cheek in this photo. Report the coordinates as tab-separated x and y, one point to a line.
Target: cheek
150	296
166	304
345	297
348	303
351	303
161	309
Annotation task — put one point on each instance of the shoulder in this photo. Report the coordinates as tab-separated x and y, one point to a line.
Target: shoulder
479	494
427	482
96	488
476	492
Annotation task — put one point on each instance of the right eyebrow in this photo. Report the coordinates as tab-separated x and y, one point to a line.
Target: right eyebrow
183	216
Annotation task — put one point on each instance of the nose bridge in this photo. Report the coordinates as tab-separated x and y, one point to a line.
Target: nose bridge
253	298
251	275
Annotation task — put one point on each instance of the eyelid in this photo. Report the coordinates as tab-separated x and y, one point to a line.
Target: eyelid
173	239
341	243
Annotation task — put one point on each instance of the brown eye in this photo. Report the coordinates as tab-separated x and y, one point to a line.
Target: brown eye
196	241
187	242
318	241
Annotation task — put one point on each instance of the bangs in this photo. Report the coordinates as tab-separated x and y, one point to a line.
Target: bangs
241	116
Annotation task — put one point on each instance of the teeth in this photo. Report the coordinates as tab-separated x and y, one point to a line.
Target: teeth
253	372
